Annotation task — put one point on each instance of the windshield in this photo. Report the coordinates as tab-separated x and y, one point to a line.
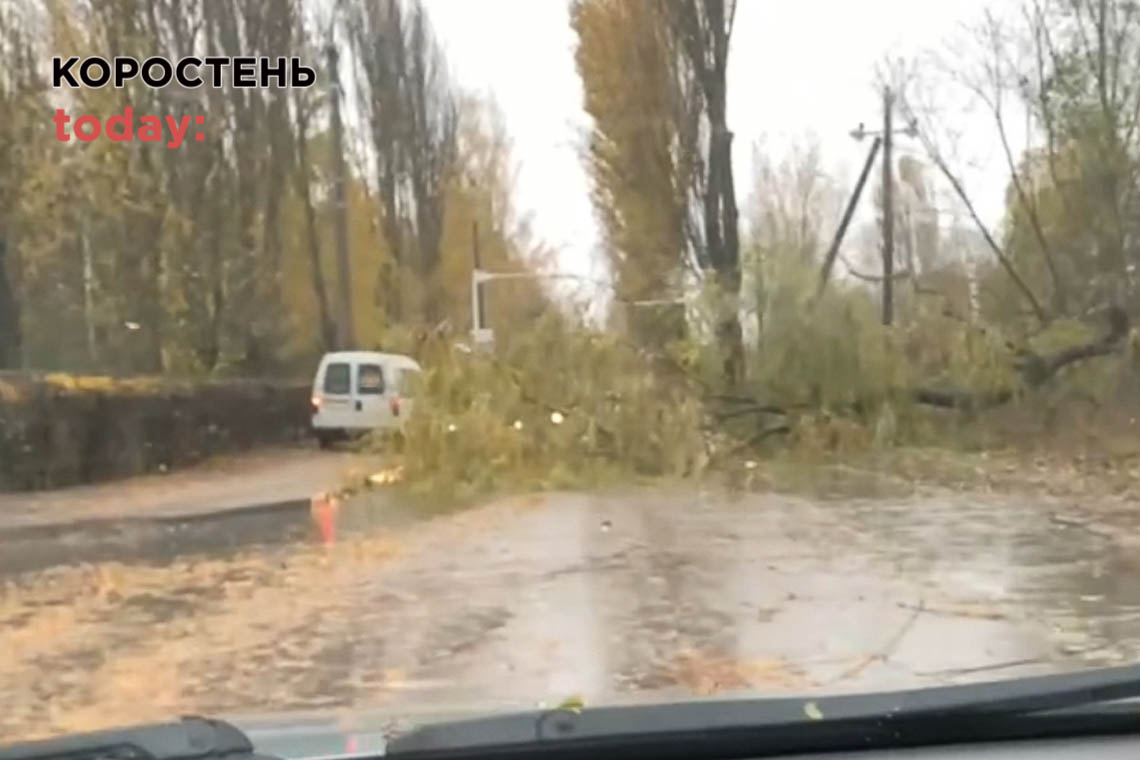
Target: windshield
763	348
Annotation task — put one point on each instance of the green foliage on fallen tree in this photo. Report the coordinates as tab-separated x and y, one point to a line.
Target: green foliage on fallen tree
556	406
561	404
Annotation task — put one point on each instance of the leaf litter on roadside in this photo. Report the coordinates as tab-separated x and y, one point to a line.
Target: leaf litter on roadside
154	641
707	674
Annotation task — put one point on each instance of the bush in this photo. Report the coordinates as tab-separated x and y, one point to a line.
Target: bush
59	430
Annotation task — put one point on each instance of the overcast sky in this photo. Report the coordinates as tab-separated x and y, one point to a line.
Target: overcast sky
797	68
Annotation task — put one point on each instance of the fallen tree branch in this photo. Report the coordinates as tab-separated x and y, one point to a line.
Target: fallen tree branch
950	313
956	399
1118	327
1034	368
761	435
747	410
900	275
888	649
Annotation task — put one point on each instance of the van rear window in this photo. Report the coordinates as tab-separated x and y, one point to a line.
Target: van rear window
337	379
369	380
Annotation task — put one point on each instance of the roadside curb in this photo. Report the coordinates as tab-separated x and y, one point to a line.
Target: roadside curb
150	538
113	522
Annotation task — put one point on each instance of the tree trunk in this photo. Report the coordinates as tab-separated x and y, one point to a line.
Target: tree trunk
722	224
271	230
88	298
9	312
346	335
152	260
390	278
729	333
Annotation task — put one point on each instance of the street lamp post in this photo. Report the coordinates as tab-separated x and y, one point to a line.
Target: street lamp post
483	335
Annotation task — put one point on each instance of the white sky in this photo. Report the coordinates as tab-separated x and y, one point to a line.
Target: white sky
797	68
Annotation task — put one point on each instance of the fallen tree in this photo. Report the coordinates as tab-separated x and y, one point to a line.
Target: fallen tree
1035	369
1032	368
563	405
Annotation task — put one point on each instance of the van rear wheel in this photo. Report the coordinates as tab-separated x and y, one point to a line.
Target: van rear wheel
325	439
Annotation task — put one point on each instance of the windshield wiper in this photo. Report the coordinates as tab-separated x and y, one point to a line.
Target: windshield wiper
189	739
1084	703
1077	704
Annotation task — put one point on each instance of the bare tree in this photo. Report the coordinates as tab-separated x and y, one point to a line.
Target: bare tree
792	205
1071	70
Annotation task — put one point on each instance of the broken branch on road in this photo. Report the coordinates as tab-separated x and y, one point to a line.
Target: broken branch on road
888	649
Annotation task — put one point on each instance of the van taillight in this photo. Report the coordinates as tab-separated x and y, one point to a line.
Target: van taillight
395	406
316	401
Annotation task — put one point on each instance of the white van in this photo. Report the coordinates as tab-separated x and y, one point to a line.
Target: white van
355	392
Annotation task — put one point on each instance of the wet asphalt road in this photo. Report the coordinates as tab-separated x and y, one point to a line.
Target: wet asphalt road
529	600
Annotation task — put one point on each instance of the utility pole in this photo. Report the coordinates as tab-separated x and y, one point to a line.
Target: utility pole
88	292
888	213
833	251
345	334
480	303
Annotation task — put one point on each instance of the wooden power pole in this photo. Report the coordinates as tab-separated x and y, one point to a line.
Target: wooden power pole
888	213
346	337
